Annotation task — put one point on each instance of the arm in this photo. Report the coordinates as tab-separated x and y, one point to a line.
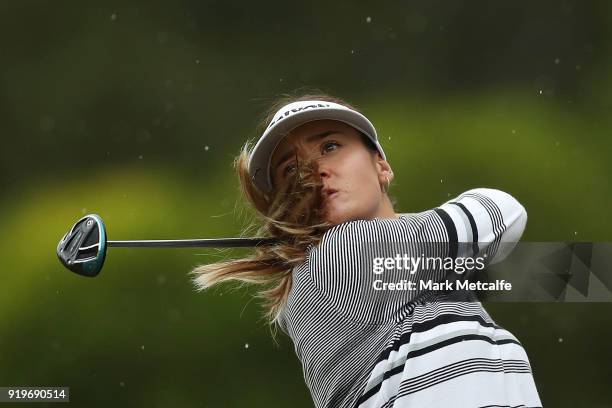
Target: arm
484	218
341	267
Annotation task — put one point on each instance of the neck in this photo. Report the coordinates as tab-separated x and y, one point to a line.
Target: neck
385	210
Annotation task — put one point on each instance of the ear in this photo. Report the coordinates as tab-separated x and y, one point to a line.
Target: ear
383	168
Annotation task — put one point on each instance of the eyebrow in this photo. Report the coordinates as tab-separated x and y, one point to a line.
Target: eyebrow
310	138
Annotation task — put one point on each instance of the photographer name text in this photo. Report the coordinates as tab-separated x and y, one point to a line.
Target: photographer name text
499	284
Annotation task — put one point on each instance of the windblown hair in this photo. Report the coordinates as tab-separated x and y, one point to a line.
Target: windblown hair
291	213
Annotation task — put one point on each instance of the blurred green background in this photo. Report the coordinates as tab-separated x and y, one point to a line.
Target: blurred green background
135	110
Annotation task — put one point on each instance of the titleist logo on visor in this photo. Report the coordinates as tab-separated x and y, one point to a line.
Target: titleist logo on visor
296	110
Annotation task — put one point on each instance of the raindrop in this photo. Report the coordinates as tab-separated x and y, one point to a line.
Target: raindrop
162	37
46	123
246	345
567	8
578	67
440	180
575	232
417	22
540	92
206	147
113	17
513	131
197	61
560	339
140	157
174	315
143	136
122	384
142	347
352	51
83	210
557	60
368	19
557	143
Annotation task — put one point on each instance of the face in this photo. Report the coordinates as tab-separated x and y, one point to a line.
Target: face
351	173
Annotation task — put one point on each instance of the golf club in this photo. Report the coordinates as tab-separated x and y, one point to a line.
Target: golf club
83	248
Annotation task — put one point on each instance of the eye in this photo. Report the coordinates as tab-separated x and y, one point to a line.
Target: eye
289	169
328	146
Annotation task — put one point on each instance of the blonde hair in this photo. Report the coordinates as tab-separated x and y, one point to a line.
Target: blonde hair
290	213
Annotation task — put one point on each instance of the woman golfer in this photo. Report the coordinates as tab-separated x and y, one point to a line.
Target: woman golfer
318	178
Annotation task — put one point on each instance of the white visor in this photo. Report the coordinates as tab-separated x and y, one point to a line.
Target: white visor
293	115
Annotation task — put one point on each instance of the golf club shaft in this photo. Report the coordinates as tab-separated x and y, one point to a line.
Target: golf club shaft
193	243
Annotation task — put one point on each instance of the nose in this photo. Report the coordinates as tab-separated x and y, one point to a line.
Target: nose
323	170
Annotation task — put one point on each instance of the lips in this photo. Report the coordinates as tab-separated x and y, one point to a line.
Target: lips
328	192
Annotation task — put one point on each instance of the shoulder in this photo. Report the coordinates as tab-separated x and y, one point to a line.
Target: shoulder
374	230
489	197
359	229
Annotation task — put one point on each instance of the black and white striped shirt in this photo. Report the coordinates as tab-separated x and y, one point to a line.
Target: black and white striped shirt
365	348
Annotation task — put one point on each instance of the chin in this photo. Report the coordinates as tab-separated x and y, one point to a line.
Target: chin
345	210
334	221
333	218
340	217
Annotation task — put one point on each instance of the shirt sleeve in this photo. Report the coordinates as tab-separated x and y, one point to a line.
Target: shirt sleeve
343	266
484	221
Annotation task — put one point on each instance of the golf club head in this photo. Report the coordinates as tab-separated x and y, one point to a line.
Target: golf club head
83	248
